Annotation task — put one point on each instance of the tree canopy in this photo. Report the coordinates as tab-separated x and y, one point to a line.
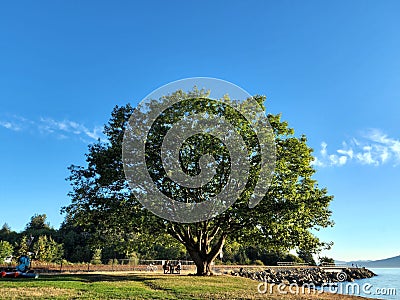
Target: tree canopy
38	222
293	205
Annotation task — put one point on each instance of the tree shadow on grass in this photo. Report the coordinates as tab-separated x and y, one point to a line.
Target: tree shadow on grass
77	277
89	277
148	280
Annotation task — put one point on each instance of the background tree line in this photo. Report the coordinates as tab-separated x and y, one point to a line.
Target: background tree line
72	244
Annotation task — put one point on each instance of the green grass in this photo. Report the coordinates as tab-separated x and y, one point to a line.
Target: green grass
138	286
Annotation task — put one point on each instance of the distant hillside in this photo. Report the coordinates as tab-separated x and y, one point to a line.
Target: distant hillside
392	262
340	262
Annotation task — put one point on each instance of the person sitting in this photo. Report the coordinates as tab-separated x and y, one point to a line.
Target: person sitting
24	264
166	266
178	267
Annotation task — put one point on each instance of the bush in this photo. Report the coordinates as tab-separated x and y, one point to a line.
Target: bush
96	259
48	250
112	261
6	249
258	262
326	260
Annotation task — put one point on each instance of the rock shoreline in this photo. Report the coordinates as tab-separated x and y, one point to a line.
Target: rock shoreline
306	276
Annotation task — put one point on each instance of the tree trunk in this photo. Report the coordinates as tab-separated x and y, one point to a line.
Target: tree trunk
203	265
204	259
203	246
204	269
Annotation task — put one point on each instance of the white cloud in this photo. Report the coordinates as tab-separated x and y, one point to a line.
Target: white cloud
50	125
317	162
388	146
323	149
61	129
326	159
9	125
6	125
342	160
349	152
366	158
374	148
94	134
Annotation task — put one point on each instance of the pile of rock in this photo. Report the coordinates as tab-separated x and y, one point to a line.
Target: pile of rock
358	273
301	276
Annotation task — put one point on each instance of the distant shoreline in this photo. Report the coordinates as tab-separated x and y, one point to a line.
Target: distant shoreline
391	262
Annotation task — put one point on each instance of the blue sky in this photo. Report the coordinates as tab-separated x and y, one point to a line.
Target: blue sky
331	68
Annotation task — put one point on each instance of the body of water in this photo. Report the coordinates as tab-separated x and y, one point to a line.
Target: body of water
384	286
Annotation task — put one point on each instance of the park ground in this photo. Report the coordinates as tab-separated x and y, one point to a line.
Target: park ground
141	285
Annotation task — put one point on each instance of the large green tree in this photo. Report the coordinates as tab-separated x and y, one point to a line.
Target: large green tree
38	222
292	207
39	226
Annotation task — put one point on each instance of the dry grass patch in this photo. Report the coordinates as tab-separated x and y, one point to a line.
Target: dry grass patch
36	292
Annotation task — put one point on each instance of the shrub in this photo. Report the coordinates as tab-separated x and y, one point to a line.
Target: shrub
6	249
258	262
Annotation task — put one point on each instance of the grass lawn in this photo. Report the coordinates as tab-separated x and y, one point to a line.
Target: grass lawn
140	286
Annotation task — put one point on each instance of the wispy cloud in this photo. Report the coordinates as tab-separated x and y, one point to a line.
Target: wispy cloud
63	129
10	125
325	159
374	148
70	127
